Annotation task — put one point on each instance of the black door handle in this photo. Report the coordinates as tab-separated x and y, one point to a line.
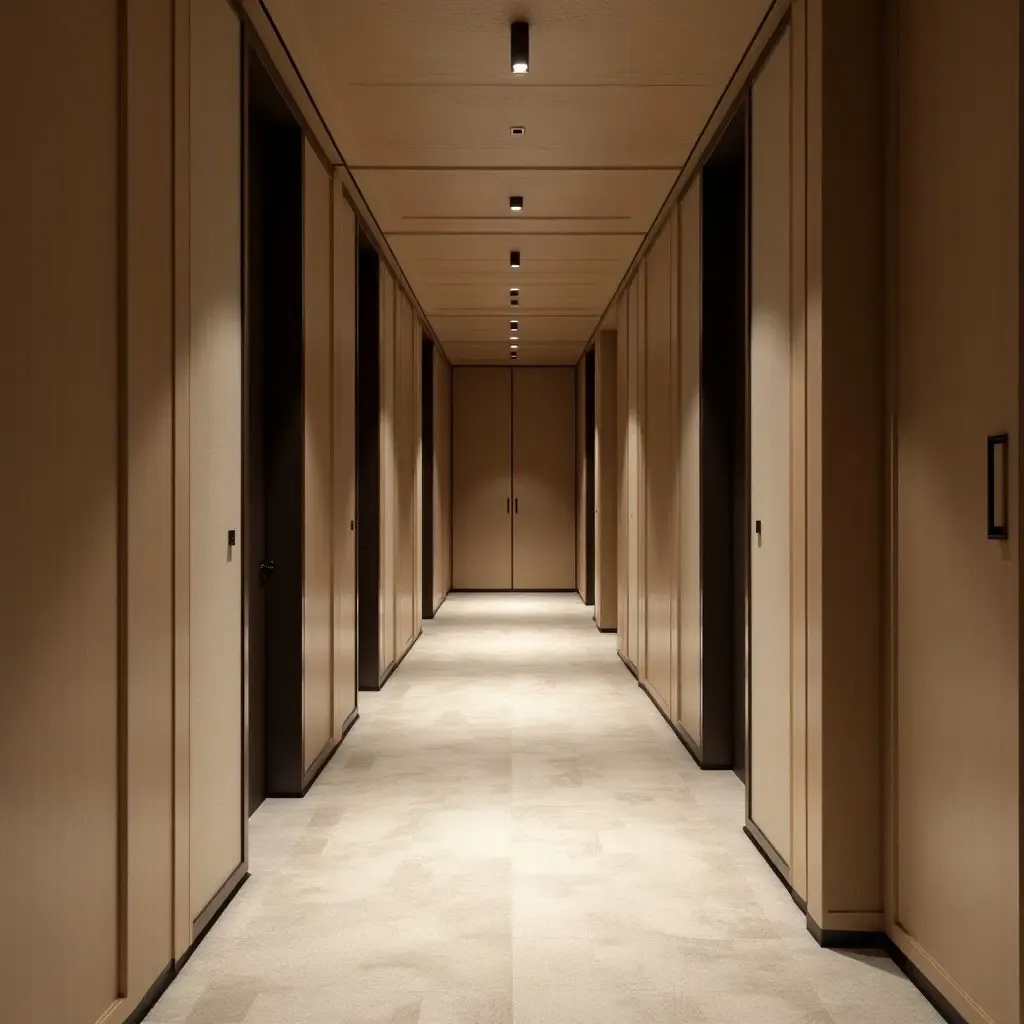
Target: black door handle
507	506
517	506
996	498
266	570
757	530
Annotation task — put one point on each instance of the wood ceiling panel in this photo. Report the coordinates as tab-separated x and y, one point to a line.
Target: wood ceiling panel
613	200
532	328
468	126
663	42
419	99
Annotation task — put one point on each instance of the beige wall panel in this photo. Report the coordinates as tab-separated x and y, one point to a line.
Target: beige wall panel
957	670
633	480
344	411
581	478
622	433
58	441
317	690
215	411
606	499
689	714
770	354
150	499
407	481
417	575
442	476
387	469
543	478
641	474
659	478
481	478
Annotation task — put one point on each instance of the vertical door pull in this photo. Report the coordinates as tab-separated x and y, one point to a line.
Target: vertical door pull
508	502
998	461
757	530
517	506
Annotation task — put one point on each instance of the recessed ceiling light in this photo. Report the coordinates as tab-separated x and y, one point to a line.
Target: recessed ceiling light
513	355
517	129
515	337
515	203
513	259
520	40
515	302
513	325
514	292
514	347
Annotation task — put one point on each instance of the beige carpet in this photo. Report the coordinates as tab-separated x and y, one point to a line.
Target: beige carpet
512	833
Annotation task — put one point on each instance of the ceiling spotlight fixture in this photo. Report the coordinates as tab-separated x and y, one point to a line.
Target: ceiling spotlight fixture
513	325
515	337
513	355
515	203
513	259
514	292
520	39
517	129
514	348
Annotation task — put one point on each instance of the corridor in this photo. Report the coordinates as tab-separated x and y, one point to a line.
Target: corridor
511	833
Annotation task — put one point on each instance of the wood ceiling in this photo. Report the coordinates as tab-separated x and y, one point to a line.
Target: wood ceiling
420	98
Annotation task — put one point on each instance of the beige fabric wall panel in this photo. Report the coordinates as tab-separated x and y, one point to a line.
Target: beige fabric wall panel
417	499
543	478
770	343
215	411
957	792
481	478
633	479
659	479
344	406
581	477
688	374
442	476
317	688
387	470
149	579
622	344
59	935
640	474
408	514
606	499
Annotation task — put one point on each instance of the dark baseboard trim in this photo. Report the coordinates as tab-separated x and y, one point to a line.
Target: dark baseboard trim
174	967
606	629
514	590
632	668
771	856
943	1006
681	734
156	990
393	667
833	938
437	608
224	895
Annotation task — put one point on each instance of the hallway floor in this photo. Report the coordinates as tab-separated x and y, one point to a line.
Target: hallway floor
512	835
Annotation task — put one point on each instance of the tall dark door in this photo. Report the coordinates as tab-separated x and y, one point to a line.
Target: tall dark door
274	438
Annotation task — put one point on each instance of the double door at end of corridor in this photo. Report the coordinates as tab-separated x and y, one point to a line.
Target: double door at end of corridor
513	478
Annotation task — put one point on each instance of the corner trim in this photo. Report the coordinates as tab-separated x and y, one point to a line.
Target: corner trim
208	915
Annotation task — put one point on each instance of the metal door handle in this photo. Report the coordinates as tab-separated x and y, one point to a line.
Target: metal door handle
508	505
757	530
517	506
266	570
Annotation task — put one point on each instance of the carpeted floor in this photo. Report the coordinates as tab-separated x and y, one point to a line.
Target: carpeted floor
511	833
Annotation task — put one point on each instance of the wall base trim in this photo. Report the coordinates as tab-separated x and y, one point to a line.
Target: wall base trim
692	748
607	629
774	860
152	996
174	967
437	607
392	668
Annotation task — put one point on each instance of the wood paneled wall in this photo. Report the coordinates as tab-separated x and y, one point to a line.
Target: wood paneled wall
953	848
401	355
606	458
442	470
121	745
